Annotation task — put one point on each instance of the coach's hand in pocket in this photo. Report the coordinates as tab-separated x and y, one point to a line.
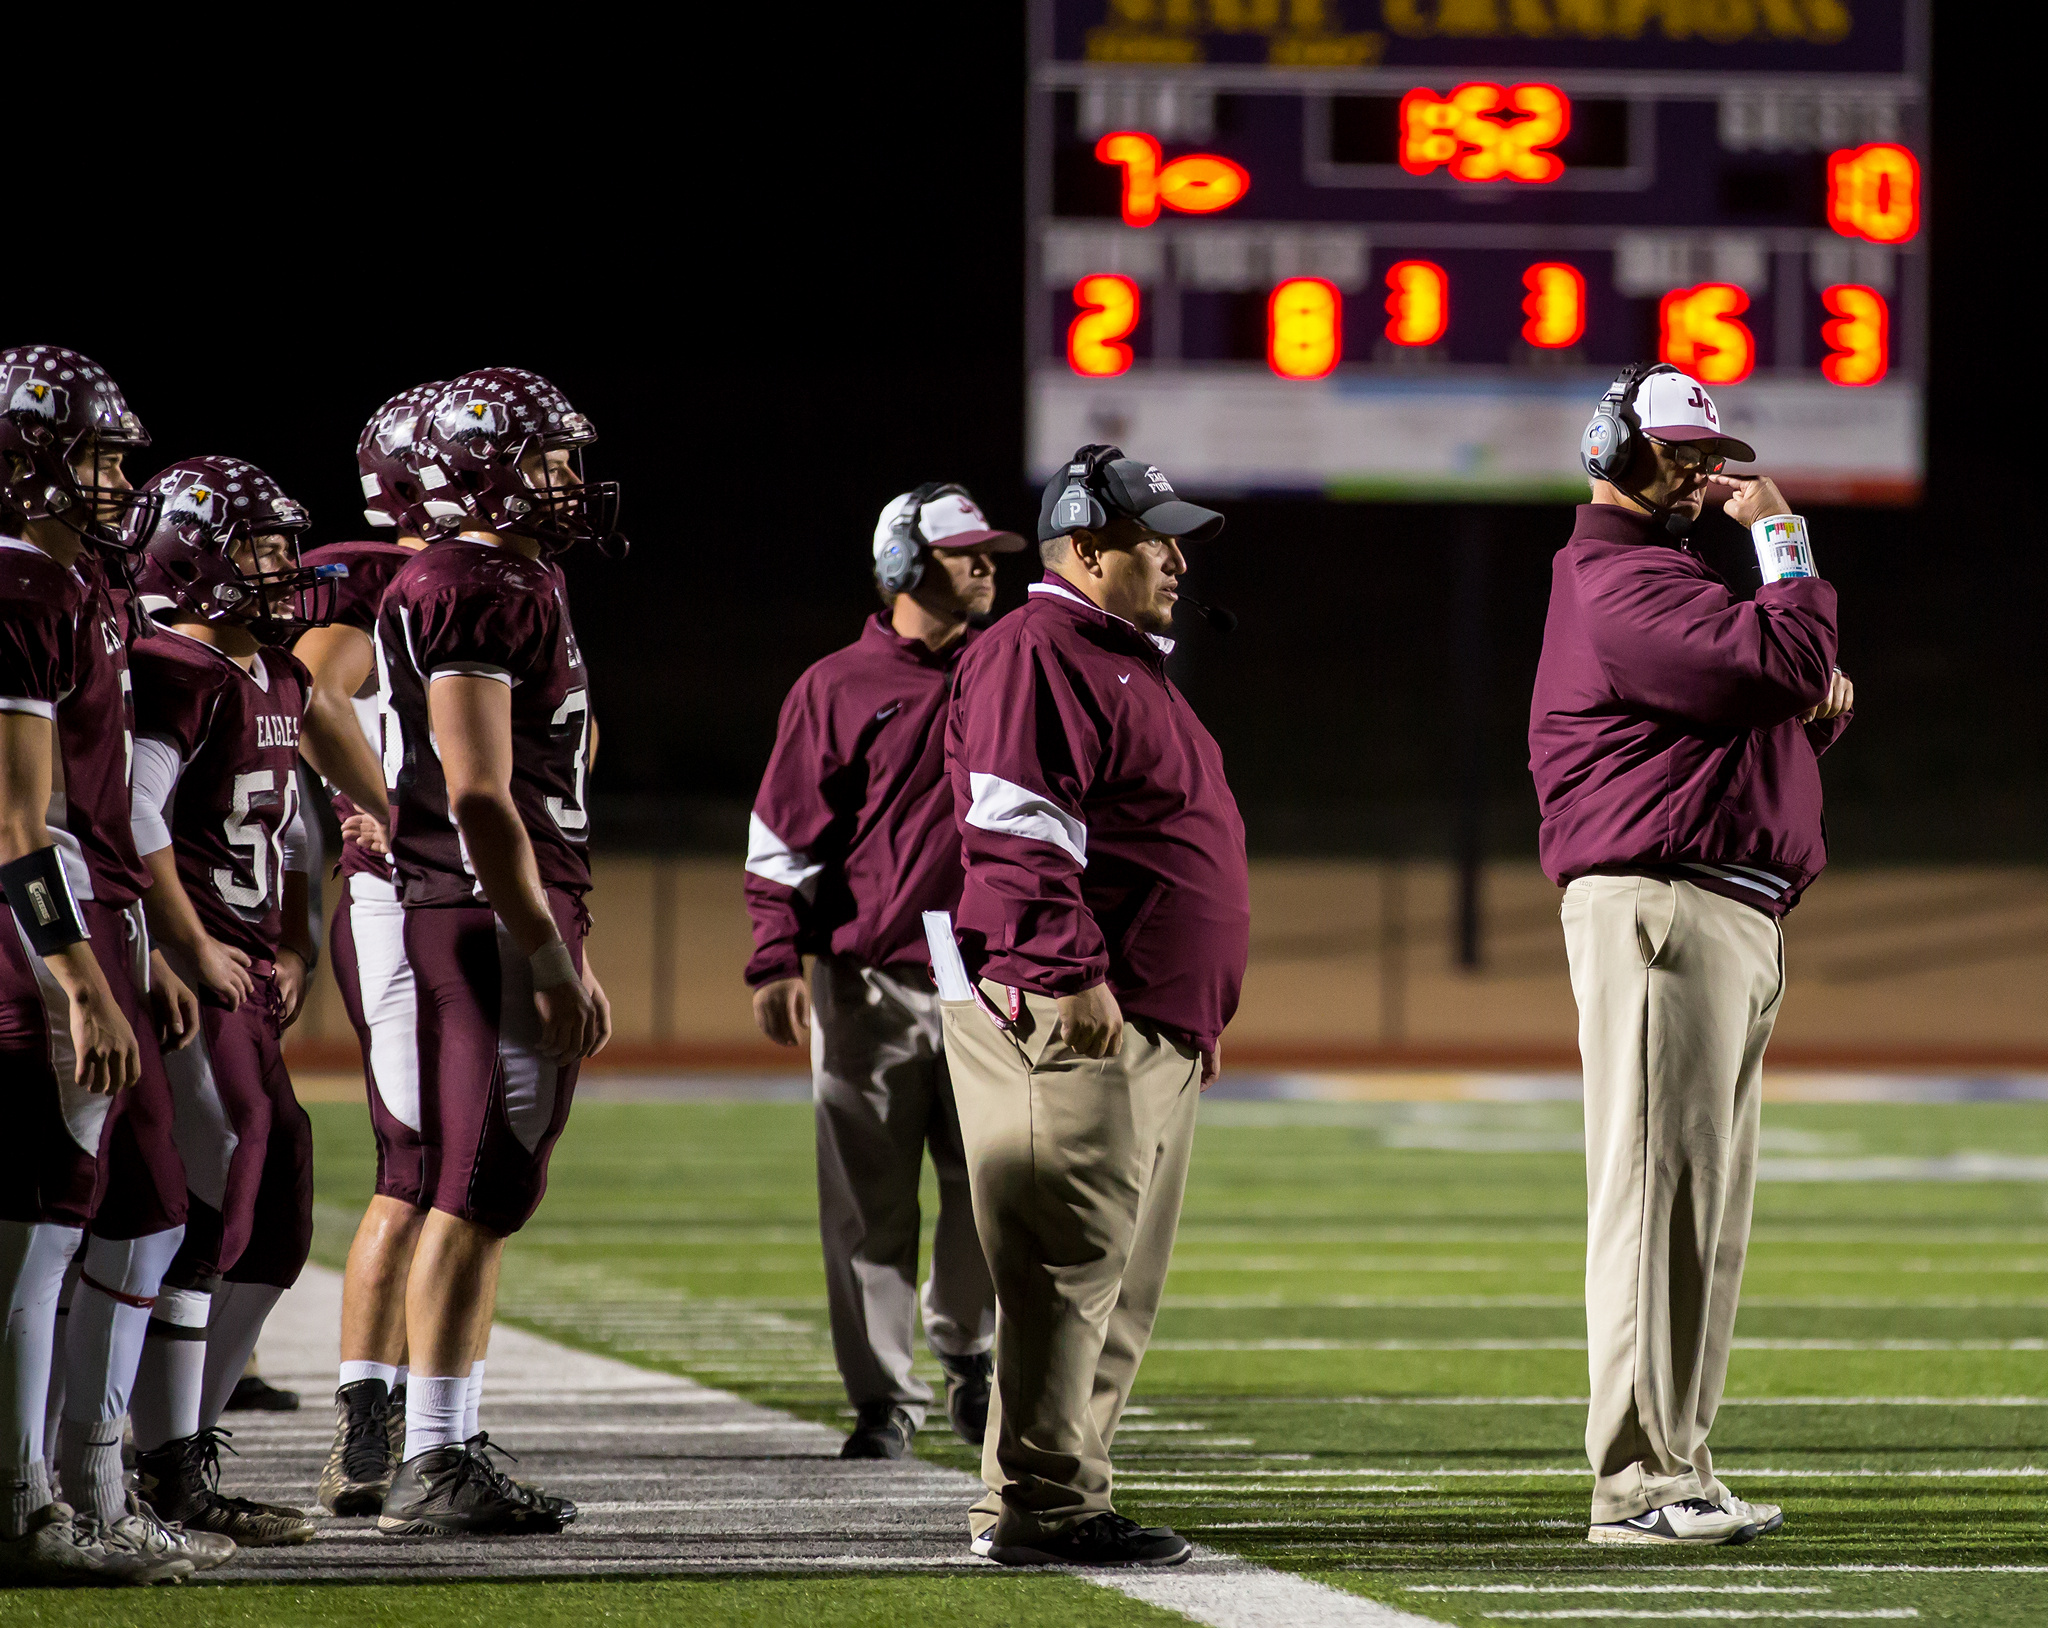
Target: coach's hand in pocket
783	1011
1092	1022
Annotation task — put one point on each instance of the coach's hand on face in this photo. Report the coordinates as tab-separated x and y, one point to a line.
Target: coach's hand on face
1751	498
782	1010
1092	1022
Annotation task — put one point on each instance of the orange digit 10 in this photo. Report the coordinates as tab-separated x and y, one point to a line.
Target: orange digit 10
1109	311
1697	332
1198	184
1874	192
1858	337
1304	328
1555	305
1420	304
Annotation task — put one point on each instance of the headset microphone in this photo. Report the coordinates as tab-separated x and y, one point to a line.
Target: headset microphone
1216	616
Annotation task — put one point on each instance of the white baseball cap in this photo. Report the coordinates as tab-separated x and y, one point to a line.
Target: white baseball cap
1674	406
949	518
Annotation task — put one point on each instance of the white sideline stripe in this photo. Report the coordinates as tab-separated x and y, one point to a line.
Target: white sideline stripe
1855	1568
1248	1596
1167	1480
1704	1613
1727	1402
1615	1588
1580	1345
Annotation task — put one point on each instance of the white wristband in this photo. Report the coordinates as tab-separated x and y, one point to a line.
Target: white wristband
1782	549
553	966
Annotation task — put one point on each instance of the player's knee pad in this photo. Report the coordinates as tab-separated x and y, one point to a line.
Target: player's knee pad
182	1309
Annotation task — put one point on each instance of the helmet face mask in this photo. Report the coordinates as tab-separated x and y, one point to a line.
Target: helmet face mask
58	409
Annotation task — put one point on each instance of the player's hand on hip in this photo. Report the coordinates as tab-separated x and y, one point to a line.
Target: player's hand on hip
603	1003
783	1011
225	970
1841	698
1212	1064
568	1021
291	986
175	1007
1092	1022
108	1058
1751	498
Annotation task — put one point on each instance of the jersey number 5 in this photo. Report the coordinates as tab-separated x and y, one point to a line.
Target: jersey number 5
245	831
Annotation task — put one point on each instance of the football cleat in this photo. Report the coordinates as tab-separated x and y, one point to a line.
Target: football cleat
58	1550
967	1386
204	1549
562	1511
1109	1539
883	1430
1692	1520
255	1394
980	1547
360	1464
449	1491
181	1482
1766	1518
397	1424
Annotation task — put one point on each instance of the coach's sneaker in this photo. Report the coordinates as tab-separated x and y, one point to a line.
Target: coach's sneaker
1692	1520
562	1511
181	1482
1766	1518
451	1491
967	1387
360	1464
1102	1540
883	1430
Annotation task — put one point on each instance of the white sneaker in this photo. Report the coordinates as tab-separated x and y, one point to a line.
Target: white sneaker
1766	1518
1693	1520
51	1550
204	1549
981	1546
135	1549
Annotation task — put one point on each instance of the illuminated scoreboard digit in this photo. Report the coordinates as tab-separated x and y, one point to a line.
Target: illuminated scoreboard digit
1397	247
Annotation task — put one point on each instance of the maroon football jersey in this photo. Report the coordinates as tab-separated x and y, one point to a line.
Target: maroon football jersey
371	566
41	608
477	608
237	735
96	737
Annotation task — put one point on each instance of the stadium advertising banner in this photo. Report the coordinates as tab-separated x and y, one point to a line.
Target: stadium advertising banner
1395	248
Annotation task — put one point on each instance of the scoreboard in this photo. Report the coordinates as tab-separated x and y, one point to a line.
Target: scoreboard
1397	248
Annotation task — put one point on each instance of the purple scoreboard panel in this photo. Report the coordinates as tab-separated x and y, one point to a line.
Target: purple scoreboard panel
1396	248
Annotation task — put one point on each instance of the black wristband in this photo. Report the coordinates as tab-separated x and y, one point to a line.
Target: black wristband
41	896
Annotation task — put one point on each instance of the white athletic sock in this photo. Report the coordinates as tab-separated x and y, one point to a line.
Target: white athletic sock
238	1313
473	1399
353	1371
403	1370
103	1343
433	1413
33	1256
172	1374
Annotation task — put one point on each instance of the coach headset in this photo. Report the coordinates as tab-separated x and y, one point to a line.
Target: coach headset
899	567
1614	432
1087	504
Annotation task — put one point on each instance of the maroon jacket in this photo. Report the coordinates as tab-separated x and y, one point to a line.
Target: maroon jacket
1663	733
852	837
1100	836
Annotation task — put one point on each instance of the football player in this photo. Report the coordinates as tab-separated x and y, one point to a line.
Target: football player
75	970
219	711
370	969
480	664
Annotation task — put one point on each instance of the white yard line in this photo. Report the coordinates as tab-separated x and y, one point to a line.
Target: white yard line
1580	1345
1726	1402
1705	1613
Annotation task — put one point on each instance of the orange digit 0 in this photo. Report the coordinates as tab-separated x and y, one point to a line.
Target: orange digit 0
1420	304
1874	192
1697	332
1304	328
1858	337
1202	183
1109	311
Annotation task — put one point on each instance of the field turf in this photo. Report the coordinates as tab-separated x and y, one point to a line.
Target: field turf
1370	1368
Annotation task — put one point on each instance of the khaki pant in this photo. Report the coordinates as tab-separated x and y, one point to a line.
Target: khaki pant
1078	1165
1678	989
878	1066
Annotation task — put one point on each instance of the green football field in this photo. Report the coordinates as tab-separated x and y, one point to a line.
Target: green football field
1370	1368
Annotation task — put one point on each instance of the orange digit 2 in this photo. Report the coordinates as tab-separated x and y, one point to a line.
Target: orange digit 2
1109	311
1858	338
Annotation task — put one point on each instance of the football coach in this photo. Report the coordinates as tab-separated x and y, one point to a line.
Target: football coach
1674	737
1106	910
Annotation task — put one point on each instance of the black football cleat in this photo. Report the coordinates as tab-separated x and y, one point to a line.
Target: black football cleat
180	1481
562	1511
255	1394
883	1430
967	1386
451	1492
398	1424
360	1464
1110	1540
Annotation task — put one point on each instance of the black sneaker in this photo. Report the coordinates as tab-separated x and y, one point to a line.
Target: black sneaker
1101	1540
562	1511
450	1491
254	1394
882	1431
181	1482
360	1464
967	1387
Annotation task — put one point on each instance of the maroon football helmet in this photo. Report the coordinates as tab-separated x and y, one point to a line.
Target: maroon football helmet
468	450
392	493
54	404
208	505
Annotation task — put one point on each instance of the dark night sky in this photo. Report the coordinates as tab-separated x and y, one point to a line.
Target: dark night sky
781	266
